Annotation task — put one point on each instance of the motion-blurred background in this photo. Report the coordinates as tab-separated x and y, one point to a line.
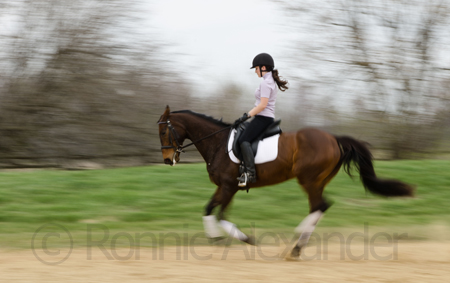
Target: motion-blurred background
83	82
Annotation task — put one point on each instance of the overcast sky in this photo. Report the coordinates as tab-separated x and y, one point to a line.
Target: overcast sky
213	43
220	38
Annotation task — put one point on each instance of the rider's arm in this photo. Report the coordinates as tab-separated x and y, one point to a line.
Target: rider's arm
261	106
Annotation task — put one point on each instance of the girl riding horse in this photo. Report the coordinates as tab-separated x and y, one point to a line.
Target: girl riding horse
263	112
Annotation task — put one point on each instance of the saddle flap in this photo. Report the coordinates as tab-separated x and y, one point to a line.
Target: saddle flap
272	129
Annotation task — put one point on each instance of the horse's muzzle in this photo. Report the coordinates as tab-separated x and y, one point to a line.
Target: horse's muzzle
168	161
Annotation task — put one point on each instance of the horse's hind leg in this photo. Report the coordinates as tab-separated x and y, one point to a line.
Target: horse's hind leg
318	206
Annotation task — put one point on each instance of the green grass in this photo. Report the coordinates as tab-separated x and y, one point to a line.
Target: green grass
164	199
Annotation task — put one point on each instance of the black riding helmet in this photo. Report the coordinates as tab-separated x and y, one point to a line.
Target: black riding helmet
263	59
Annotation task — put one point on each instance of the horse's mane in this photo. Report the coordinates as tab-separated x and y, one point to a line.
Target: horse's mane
205	117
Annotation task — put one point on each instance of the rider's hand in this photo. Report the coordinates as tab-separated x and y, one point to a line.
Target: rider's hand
244	118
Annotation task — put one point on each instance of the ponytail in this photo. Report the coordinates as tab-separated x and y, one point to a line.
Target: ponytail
282	84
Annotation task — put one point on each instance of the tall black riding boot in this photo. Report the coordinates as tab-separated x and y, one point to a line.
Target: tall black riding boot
249	160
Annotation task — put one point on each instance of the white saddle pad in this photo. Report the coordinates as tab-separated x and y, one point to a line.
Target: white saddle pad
267	149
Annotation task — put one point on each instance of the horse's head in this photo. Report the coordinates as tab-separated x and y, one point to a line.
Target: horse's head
171	138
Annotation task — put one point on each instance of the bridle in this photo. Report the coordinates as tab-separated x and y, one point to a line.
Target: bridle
173	133
179	148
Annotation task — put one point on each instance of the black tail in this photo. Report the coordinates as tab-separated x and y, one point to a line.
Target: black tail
353	151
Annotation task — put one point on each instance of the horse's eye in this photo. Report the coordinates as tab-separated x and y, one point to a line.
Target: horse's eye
163	132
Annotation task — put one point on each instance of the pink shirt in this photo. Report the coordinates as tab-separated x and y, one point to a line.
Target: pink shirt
267	88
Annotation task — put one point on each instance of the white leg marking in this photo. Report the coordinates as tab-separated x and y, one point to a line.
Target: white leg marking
311	220
232	230
307	226
211	226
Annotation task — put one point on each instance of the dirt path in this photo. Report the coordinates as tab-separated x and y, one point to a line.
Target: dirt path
408	262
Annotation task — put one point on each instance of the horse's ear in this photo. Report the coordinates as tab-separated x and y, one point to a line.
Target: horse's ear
166	114
164	117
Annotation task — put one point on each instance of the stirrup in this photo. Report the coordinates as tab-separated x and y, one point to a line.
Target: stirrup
246	178
243	180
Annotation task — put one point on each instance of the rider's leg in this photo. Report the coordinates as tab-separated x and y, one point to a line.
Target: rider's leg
249	162
253	130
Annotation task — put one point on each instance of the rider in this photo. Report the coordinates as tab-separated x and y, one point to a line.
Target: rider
264	112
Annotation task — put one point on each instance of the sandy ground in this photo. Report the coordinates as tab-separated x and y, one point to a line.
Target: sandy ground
426	261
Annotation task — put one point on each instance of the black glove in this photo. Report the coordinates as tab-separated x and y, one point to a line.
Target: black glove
244	118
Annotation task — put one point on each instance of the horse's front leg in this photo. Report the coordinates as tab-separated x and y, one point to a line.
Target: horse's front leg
212	228
230	228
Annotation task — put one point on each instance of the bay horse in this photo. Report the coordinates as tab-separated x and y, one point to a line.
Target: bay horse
312	156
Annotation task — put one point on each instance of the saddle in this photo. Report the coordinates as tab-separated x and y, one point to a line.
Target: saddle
272	129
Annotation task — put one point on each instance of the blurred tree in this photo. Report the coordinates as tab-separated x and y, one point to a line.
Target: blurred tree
231	102
390	57
81	83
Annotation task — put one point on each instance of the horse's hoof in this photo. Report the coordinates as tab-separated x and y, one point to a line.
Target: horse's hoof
290	258
295	253
250	240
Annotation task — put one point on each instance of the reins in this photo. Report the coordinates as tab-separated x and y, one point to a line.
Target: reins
179	147
208	136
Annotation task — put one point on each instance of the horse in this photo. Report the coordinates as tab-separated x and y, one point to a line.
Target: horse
311	155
